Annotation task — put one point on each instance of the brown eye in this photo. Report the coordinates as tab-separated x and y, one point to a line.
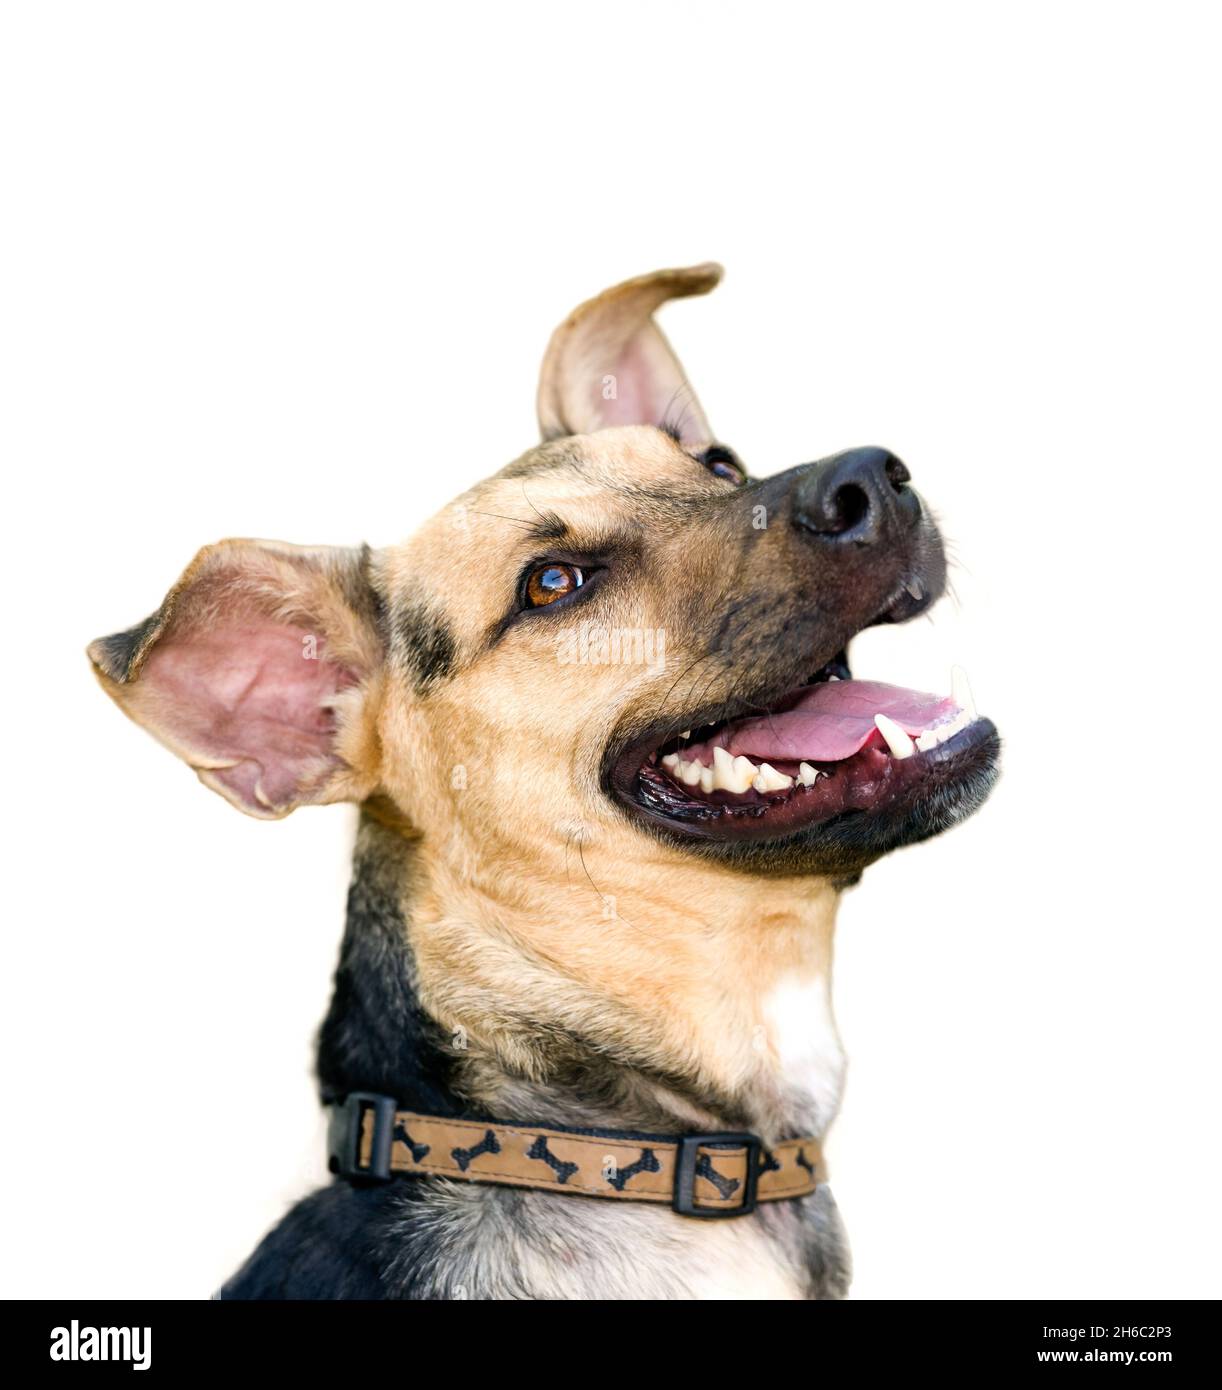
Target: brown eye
547	583
722	464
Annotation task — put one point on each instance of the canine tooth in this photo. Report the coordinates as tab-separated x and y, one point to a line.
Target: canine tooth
916	590
690	772
744	774
723	770
768	779
687	733
807	774
732	774
961	692
671	760
927	740
900	744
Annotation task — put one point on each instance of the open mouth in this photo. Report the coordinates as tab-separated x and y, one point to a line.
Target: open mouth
834	749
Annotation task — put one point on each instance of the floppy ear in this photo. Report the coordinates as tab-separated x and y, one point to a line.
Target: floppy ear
261	670
608	363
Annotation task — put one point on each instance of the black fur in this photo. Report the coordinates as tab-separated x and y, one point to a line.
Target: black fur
425	644
376	1037
426	1238
321	1250
115	655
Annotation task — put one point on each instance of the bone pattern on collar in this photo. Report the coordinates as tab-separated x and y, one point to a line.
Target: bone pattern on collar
592	1165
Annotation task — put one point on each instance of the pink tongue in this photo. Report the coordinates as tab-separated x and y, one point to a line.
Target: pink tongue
833	721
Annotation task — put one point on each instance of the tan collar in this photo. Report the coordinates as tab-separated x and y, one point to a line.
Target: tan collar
706	1175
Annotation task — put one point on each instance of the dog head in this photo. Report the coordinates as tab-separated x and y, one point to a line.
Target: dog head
621	638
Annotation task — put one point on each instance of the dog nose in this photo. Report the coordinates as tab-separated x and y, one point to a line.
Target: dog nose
861	496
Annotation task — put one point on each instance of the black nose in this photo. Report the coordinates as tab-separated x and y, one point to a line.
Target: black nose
861	496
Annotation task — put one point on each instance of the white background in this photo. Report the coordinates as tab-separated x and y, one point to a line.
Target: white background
288	271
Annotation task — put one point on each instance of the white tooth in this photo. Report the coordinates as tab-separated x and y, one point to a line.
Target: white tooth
833	678
898	741
706	780
961	692
732	774
670	760
807	774
687	733
690	772
723	770
768	779
744	772
915	589
927	740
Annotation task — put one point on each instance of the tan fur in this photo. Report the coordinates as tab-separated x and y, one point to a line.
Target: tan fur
586	350
538	911
538	889
539	929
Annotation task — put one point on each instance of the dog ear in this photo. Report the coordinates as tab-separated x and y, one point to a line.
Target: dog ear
261	670
609	364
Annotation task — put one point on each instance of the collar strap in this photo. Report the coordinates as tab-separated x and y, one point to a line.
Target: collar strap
710	1175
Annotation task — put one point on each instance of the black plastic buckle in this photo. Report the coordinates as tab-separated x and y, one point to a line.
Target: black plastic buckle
686	1157
344	1136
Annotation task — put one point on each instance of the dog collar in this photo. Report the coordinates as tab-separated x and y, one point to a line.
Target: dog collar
708	1175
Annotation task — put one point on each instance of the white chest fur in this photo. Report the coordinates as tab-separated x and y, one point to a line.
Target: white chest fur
803	1042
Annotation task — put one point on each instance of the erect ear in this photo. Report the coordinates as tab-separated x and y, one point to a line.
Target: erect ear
261	669
608	363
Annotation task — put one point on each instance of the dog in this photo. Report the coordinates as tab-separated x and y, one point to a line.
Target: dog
613	775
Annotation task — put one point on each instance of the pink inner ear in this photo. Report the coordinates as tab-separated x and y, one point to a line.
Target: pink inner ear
257	695
638	396
650	389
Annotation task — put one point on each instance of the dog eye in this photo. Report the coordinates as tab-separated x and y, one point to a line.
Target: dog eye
722	464
547	583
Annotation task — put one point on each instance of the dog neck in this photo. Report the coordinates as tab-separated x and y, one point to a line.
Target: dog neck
689	998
